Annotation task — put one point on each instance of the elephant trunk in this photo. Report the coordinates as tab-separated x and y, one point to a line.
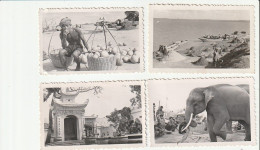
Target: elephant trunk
189	117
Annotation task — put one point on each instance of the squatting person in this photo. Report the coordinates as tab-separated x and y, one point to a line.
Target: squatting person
73	36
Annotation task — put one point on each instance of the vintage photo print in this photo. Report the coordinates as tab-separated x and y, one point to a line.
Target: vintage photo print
91	40
92	115
201	38
202	111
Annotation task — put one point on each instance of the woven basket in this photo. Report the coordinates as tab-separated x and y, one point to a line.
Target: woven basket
102	63
55	59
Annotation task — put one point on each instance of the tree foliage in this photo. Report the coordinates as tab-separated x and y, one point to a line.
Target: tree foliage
136	101
121	119
132	15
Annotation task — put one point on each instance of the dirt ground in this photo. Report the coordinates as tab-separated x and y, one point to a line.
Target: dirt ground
195	137
129	37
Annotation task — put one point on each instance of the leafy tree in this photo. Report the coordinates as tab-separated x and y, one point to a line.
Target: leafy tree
132	15
56	94
121	118
136	101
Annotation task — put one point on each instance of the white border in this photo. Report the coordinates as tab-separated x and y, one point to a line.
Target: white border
20	78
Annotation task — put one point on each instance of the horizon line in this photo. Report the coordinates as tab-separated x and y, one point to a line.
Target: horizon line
201	19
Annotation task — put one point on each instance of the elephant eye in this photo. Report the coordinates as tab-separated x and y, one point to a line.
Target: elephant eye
196	105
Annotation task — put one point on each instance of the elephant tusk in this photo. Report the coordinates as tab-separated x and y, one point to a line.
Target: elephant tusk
191	115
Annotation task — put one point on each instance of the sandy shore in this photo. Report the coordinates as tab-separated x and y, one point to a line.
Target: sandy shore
129	37
198	54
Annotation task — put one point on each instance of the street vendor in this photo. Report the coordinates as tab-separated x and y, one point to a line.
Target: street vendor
73	36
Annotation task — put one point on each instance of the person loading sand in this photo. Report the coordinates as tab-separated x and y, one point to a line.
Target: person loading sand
73	36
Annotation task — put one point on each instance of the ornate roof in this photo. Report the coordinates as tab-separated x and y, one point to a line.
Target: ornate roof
67	92
58	104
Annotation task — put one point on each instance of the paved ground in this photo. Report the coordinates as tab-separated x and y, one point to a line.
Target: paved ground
195	137
67	143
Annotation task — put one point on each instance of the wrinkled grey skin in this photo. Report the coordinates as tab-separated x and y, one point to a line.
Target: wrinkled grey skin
223	102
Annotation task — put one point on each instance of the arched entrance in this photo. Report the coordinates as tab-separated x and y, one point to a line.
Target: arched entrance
70	128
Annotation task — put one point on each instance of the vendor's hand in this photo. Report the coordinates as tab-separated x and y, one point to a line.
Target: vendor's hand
65	32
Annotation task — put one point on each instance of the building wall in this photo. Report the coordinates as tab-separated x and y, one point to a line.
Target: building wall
107	131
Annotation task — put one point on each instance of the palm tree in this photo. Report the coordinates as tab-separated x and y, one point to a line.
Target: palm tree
56	94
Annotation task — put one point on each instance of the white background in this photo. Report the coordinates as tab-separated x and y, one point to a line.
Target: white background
20	76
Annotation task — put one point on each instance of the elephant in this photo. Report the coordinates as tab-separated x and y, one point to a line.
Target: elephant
223	103
244	86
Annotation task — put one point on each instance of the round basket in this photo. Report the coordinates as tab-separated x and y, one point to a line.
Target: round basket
102	63
55	59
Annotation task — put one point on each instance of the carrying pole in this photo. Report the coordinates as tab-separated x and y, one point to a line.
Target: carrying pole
105	35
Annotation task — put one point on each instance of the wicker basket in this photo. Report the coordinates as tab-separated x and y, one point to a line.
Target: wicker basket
102	63
55	59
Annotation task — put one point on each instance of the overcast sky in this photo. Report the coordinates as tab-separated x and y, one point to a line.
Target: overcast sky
203	14
84	17
177	91
112	96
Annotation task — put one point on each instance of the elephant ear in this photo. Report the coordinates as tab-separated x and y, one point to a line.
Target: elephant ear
209	94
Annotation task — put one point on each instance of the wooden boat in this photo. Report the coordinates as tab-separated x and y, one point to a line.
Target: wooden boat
210	40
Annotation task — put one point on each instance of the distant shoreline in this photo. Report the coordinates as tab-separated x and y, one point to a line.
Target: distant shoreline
206	20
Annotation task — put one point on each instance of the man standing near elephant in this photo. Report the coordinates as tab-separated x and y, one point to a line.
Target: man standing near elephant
160	117
73	36
160	113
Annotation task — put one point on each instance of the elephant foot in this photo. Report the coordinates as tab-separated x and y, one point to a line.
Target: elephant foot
215	140
213	137
223	136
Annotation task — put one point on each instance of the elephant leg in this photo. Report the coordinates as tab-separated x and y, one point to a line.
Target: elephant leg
210	124
220	120
247	128
229	126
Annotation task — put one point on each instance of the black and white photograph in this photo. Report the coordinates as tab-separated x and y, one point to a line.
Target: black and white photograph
91	114
201	111
87	40
201	37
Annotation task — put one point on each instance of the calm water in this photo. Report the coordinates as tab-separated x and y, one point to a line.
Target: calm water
167	31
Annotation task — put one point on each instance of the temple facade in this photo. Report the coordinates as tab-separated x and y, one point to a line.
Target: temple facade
68	117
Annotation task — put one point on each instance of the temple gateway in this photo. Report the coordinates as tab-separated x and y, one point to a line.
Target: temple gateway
68	117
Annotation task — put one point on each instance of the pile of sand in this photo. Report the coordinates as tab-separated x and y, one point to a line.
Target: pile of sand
175	57
202	61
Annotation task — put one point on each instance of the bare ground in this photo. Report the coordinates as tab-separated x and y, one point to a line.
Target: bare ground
195	137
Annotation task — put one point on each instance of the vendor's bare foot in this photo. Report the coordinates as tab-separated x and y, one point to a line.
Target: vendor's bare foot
77	69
